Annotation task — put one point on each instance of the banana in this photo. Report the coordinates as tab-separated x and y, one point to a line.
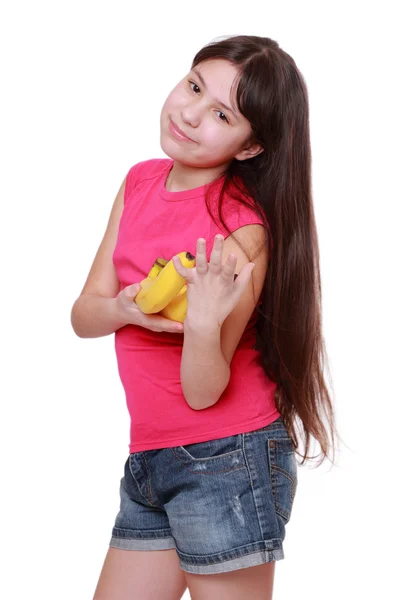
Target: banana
156	293
145	283
177	308
157	266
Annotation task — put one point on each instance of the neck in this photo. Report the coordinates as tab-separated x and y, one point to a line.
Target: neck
183	177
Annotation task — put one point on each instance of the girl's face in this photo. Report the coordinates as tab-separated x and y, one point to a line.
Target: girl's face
203	107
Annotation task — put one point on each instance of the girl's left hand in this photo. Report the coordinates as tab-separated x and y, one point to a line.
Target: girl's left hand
212	291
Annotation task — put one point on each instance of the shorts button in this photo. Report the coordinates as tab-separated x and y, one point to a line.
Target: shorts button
271	443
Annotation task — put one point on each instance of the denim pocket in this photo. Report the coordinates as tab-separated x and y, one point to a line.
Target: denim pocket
283	472
212	457
212	449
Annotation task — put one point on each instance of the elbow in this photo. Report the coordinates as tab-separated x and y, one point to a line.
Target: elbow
196	402
78	334
74	324
74	321
74	328
199	399
200	403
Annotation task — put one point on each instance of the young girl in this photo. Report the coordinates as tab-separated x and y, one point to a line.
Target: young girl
211	476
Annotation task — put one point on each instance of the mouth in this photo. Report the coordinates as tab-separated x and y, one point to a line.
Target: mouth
178	133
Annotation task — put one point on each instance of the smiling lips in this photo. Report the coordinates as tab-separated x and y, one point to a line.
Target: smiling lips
178	133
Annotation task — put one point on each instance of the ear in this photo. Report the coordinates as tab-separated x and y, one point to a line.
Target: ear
249	152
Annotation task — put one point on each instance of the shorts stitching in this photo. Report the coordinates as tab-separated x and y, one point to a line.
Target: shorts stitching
292	480
292	491
205	472
285	473
247	464
210	560
149	490
252	488
137	485
190	457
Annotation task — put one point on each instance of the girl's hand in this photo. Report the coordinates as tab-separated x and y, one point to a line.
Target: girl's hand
212	291
129	312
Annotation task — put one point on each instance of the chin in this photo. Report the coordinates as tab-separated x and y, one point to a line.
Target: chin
171	148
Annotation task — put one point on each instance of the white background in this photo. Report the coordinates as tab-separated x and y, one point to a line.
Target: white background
83	84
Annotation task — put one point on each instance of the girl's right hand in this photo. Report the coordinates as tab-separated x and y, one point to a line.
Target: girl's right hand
129	312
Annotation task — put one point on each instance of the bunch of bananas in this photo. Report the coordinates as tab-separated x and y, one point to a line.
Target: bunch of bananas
164	290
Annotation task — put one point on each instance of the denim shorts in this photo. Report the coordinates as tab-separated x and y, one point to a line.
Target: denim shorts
222	504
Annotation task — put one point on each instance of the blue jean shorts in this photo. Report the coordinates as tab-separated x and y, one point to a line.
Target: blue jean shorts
222	504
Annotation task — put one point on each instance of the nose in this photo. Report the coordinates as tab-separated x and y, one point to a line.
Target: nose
191	115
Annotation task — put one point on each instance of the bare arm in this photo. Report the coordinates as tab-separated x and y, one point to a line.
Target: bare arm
204	370
94	313
95	316
208	350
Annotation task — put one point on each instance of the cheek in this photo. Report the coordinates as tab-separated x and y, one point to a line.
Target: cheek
216	138
166	106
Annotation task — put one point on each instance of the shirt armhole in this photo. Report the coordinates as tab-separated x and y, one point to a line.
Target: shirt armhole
245	216
130	182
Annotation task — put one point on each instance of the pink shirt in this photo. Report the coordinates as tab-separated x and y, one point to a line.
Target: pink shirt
156	222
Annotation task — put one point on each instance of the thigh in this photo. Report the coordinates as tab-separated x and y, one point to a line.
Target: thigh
140	575
254	582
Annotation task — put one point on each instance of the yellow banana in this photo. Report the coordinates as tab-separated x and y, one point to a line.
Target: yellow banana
157	293
157	266
177	308
145	283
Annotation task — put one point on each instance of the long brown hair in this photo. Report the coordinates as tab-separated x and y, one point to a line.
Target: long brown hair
272	95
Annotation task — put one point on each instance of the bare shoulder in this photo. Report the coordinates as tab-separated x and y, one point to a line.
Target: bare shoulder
249	243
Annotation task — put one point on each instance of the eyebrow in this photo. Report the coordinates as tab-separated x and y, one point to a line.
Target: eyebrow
216	99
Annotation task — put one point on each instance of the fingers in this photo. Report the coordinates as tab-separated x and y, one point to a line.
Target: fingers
241	280
228	270
178	265
169	326
185	272
159	323
216	255
134	289
215	265
201	257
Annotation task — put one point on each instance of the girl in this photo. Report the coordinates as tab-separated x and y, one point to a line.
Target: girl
211	476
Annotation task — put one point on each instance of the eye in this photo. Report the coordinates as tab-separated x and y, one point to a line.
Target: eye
225	117
192	82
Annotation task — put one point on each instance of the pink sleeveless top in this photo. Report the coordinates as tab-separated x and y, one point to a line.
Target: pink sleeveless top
156	222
